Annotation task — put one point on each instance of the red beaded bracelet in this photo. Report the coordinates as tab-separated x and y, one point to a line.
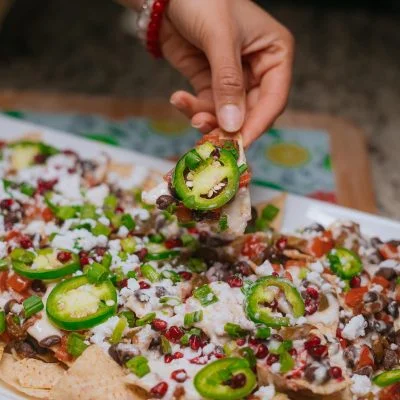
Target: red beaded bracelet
149	24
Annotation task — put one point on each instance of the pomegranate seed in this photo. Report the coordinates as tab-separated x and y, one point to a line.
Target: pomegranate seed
64	256
312	292
45	186
172	243
318	352
168	358
174	334
144	285
159	390
293	352
100	251
235	282
186	275
273	305
272	359
25	242
195	342
335	372
253	341
40	158
159	324
179	375
277	337
198	361
312	342
119	209
338	333
177	355
71	170
311	307
281	243
355	282
6	204
123	283
262	351
275	274
84	258
241	342
141	254
69	152
243	268
237	381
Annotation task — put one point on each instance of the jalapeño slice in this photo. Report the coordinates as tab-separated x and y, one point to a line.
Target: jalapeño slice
206	178
260	294
345	263
76	304
387	378
213	381
158	252
44	265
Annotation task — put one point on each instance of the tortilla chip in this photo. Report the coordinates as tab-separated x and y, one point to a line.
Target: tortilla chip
2	347
278	201
30	136
93	376
11	372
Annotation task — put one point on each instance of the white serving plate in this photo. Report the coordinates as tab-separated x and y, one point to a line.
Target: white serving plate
299	211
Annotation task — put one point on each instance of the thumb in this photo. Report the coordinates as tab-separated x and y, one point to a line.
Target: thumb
227	81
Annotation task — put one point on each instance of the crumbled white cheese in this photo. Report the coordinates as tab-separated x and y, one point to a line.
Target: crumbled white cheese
376	288
123	231
265	392
315	278
141	213
361	385
3	249
102	331
264	269
317	267
276	367
78	239
97	194
355	328
69	186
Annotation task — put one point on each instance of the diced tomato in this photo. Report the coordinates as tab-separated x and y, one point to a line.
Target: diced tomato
390	393
193	230
253	247
47	214
12	234
60	351
287	275
168	176
245	179
276	267
18	283
390	251
366	357
183	213
5	337
320	245
295	263
354	296
212	137
380	280
3	280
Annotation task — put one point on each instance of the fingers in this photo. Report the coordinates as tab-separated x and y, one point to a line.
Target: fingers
223	52
204	122
189	104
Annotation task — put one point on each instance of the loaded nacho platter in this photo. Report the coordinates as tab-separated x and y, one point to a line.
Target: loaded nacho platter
105	296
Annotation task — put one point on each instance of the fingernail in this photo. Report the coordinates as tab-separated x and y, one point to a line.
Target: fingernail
197	125
174	101
230	118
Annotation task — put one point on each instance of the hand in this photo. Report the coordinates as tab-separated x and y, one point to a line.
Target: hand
237	58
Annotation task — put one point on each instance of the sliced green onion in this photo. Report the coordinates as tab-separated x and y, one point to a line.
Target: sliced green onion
88	211
303	273
249	355
205	295
286	361
192	318
156	238
235	331
66	212
186	337
3	264
97	273
131	274
230	347
110	202
171	275
75	344
128	222
243	168
2	322
101	229
25	256
171	301
147	319
192	159
150	273
107	260
138	365
32	305
269	212
118	331
165	345
263	332
128	244
223	223
197	265
27	189
262	224
188	240
129	316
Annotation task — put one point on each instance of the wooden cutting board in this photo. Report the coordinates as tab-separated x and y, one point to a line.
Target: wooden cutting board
354	186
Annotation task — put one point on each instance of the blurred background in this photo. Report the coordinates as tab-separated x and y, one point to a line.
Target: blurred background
347	63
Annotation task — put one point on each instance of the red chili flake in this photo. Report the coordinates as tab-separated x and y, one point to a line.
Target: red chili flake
159	324
241	342
119	209
253	341
64	256
45	186
195	342
144	285
355	282
174	334
312	292
177	355
186	275
235	282
159	390
262	351
179	375
40	158
312	342
25	242
318	352
172	243
83	258
123	283
281	243
168	358
293	352
335	372
272	359
141	254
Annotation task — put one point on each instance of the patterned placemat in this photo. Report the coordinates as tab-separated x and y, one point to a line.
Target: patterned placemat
297	161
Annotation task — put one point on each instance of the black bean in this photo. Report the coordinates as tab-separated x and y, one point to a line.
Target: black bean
141	296
370	297
314	228
310	375
242	267
155	343
38	286
8	305
393	309
367	371
387	273
164	201
35	345
24	349
375	242
237	381
349	355
114	354
50	341
160	291
389	359
380	326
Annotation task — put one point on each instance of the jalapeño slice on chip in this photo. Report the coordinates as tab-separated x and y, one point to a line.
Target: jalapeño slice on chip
206	178
76	304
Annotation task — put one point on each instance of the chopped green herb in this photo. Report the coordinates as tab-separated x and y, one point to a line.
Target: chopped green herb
129	316
172	275
101	229
88	211
150	273
235	331
165	345
269	212
223	223
118	331
2	322
205	295
138	365
147	319
128	222
27	189
263	332
128	244
97	273
75	344
192	318
197	265
32	305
